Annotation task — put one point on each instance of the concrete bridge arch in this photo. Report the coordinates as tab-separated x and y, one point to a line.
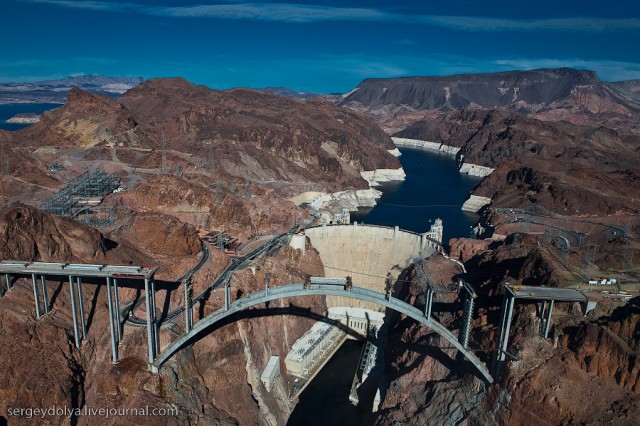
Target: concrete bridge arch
299	290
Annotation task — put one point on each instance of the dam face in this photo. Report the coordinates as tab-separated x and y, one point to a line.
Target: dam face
367	253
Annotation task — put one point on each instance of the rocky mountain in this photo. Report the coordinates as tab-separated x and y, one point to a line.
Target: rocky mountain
288	93
540	386
558	165
577	96
55	91
241	132
214	381
29	234
629	88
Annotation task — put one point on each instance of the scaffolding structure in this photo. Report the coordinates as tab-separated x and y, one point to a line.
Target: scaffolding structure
98	217
87	189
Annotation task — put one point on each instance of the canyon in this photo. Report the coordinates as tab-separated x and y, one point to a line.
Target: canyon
554	144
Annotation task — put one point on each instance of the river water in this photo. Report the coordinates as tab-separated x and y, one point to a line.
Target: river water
325	402
433	188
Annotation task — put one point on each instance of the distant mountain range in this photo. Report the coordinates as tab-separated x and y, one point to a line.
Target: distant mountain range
578	96
288	93
55	91
629	88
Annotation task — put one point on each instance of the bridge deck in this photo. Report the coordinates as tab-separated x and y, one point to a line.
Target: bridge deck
546	293
75	269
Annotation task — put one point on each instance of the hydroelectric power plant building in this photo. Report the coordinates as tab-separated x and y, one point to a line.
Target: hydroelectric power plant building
312	348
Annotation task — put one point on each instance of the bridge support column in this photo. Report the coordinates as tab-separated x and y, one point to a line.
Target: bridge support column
151	354
45	295
156	331
467	315
2	288
7	277
153	298
83	321
267	278
227	297
74	311
428	303
503	332
114	344
543	310
547	323
188	312
36	296
117	307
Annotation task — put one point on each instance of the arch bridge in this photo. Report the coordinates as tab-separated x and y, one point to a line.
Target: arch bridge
324	289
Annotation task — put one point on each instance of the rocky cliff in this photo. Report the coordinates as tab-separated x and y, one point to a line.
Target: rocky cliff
214	381
561	166
29	234
628	88
590	377
551	94
242	132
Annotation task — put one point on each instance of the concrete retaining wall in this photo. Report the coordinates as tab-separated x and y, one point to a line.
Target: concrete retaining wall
372	251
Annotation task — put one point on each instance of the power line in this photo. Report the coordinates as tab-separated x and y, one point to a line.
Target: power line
422	206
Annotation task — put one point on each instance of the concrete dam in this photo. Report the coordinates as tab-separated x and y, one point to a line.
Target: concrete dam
368	252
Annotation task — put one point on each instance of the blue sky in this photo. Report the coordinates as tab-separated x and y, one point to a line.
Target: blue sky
313	45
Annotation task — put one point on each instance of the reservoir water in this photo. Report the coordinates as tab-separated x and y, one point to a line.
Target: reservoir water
9	110
433	188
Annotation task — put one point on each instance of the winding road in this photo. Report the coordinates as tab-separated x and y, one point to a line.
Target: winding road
221	279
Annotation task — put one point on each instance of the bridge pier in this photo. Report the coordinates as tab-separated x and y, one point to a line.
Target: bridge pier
428	302
156	336
83	321
188	311
547	321
267	278
503	331
76	331
467	316
114	344
117	306
8	279
2	288
227	297
151	352
36	296
45	295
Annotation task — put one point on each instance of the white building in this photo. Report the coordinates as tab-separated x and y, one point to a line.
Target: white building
436	230
309	350
271	372
358	319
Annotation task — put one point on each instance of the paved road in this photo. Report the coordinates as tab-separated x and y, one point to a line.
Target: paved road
616	229
221	279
